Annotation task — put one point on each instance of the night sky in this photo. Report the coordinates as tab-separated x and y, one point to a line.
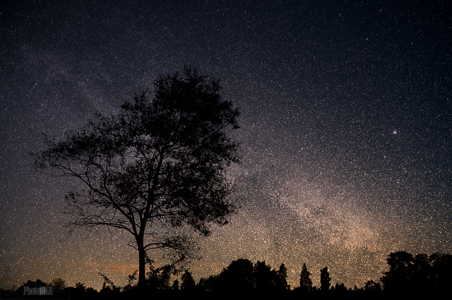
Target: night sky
346	127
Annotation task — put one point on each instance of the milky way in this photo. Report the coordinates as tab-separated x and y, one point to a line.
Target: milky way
345	127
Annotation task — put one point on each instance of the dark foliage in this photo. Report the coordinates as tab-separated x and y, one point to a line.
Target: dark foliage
156	166
188	283
372	287
305	280
242	276
325	280
408	276
417	274
158	278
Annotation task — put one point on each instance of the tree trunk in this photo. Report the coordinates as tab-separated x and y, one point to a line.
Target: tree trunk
141	261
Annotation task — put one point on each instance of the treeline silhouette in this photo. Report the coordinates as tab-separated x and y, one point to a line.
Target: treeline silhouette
408	275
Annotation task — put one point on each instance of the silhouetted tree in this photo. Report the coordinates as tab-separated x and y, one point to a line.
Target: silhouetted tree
210	284
38	282
305	280
58	283
421	277
155	166
263	276
372	286
188	283
159	277
441	269
108	283
78	291
340	288
176	285
400	272
325	280
29	283
238	276
417	274
80	287
130	280
281	282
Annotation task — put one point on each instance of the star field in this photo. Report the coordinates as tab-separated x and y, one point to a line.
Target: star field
346	127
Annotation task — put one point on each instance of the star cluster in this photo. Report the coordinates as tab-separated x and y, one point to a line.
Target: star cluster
346	127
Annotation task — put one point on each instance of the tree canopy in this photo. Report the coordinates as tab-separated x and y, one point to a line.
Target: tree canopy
325	280
305	280
156	166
